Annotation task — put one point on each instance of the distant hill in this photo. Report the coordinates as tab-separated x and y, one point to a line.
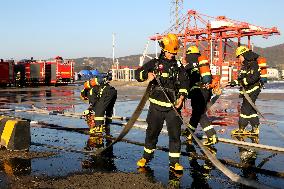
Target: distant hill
274	55
103	64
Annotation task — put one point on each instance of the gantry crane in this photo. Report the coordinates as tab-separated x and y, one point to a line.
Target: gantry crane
215	36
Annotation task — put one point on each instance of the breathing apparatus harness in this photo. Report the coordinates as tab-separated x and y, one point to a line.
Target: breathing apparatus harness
171	74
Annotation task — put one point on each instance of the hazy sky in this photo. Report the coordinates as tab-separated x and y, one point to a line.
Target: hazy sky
79	28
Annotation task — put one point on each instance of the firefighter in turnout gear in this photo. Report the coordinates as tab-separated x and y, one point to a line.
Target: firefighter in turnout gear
200	92
165	77
249	80
90	93
102	97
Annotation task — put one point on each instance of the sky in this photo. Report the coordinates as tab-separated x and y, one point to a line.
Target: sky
83	28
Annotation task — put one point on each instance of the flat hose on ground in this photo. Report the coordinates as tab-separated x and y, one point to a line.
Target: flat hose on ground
194	155
224	140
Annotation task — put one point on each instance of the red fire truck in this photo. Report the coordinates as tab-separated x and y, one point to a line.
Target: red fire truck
7	76
30	72
35	72
59	71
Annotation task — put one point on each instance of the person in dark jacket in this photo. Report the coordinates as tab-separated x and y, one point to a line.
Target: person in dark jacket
249	79
103	108
198	70
102	97
168	92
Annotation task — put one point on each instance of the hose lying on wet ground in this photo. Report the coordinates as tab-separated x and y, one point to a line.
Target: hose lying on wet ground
234	177
224	140
165	149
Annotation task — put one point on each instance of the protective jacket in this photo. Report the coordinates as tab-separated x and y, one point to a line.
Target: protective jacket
91	94
194	68
173	80
249	78
105	99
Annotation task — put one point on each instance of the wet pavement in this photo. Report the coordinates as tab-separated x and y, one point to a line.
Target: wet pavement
73	158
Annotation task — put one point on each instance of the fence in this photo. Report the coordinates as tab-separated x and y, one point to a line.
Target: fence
123	74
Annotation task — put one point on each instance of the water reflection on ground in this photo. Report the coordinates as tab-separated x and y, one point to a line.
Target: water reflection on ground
198	173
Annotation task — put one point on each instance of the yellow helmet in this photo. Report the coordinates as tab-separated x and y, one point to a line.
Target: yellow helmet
241	50
170	43
193	50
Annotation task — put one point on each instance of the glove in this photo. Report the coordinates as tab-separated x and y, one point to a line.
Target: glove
241	81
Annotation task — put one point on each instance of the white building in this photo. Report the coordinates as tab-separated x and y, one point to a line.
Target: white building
272	73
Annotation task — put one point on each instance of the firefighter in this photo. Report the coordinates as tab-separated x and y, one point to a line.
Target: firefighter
165	77
103	107
102	97
200	92
250	80
90	94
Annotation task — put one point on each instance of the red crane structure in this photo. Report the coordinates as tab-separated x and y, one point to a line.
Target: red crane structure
216	37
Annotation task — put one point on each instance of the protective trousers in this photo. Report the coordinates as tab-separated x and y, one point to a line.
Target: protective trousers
199	99
155	120
104	106
248	113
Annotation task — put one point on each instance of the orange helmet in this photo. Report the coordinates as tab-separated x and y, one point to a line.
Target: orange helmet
87	85
170	43
94	82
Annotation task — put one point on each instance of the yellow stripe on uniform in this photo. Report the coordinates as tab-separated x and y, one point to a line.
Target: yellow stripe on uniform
174	155
101	91
99	118
183	91
160	103
88	84
208	128
7	132
206	73
191	127
149	151
245	81
203	62
141	75
250	91
165	74
248	116
194	87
